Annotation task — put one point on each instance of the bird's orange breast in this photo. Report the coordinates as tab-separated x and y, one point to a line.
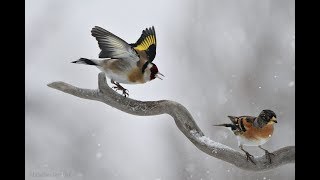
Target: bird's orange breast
257	133
136	76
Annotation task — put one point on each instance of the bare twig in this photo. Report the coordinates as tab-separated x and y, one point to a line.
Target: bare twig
183	120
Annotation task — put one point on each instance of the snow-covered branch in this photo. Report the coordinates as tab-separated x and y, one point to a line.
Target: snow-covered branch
183	120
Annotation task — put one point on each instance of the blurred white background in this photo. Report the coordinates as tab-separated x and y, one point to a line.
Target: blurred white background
219	57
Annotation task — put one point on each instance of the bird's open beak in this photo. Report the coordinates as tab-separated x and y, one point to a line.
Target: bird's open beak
158	75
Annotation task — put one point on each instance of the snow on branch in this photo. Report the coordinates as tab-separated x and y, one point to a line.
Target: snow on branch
184	122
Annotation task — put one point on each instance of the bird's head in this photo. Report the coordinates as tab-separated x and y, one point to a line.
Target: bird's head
151	72
268	116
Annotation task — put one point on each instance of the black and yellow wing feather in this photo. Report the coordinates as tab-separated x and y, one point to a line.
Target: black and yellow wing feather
147	42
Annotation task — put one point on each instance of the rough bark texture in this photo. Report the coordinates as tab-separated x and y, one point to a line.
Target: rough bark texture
183	120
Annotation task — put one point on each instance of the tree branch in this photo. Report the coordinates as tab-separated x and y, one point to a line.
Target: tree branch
183	120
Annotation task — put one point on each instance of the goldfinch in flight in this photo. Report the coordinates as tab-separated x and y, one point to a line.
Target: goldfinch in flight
253	131
125	63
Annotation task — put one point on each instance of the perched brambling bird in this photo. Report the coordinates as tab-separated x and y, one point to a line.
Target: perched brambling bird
125	63
253	131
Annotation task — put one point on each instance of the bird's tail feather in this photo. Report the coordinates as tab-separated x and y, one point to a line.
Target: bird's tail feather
232	126
86	61
225	125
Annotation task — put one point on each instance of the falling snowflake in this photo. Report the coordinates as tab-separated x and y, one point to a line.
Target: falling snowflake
291	84
98	155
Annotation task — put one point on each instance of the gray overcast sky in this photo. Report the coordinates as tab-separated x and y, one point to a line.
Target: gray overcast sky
220	58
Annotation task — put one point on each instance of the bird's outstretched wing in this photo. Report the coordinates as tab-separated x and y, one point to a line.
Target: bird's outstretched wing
112	46
148	43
